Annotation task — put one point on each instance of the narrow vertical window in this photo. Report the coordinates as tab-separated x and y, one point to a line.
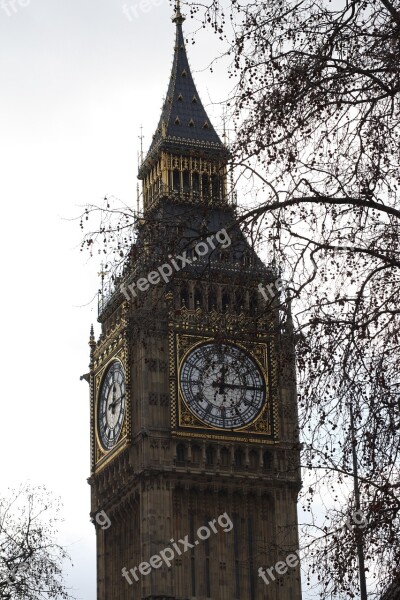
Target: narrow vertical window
196	183
192	557
216	187
225	302
205	185
209	456
198	299
251	558
176	181
180	453
184	297
207	565
267	461
186	182
236	555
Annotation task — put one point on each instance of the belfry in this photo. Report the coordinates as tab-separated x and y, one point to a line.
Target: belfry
194	427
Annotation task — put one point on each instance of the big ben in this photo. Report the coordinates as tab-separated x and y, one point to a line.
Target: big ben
194	428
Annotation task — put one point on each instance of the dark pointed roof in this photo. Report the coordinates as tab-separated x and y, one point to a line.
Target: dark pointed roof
184	123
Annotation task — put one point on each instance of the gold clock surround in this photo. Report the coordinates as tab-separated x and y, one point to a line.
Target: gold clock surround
262	428
102	455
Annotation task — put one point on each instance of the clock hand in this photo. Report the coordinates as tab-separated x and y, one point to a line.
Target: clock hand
233	386
221	384
117	400
114	403
223	413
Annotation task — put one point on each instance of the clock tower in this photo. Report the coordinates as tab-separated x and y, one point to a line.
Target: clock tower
194	437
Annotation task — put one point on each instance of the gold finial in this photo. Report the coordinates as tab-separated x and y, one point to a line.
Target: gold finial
178	17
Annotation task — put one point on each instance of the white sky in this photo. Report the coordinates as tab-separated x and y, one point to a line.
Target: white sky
77	80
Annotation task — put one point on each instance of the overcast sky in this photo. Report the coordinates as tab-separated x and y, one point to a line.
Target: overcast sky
78	78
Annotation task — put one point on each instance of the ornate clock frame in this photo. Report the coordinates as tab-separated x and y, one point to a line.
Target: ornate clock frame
187	330
112	347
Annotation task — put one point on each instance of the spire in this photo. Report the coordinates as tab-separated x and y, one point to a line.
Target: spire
92	344
178	16
184	123
92	341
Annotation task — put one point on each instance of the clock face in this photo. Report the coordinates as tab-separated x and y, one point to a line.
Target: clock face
222	385
111	405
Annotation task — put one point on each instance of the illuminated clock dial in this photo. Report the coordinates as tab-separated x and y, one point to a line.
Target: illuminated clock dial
222	385
111	405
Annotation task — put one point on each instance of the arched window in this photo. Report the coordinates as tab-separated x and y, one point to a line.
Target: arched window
253	459
253	304
186	182
267	460
196	183
180	453
239	301
239	458
212	300
185	297
205	185
196	455
225	457
198	298
176	181
225	301
216	187
210	455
